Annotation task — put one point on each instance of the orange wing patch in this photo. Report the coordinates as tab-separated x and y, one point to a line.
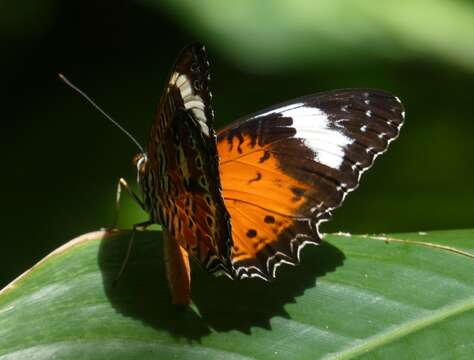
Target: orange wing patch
253	228
250	173
263	202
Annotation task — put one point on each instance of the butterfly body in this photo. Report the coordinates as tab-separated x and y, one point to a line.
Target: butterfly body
249	199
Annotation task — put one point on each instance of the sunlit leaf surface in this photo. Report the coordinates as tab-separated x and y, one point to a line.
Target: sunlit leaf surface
397	296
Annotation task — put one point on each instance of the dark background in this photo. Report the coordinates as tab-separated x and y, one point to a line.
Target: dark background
62	160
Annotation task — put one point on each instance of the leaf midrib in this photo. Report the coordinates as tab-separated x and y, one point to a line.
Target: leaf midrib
425	244
405	329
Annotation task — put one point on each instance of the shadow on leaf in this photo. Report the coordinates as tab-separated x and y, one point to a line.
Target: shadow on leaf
219	303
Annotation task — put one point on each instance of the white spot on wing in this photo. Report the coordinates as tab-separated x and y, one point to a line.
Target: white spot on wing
181	80
191	100
199	114
328	144
356	166
201	119
194	104
173	78
204	128
185	89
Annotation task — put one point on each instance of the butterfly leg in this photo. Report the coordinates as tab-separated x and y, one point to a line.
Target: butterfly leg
178	271
123	184
140	226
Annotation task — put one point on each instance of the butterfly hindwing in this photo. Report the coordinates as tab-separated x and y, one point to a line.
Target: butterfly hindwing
285	168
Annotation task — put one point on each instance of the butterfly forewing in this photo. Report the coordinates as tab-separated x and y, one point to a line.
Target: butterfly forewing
285	168
181	181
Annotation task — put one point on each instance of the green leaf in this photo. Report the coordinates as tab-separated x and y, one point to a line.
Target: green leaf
269	35
397	296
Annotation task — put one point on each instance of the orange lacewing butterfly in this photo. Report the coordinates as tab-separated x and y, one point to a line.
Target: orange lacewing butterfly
247	199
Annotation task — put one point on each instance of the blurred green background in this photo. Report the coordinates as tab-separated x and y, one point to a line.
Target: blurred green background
62	160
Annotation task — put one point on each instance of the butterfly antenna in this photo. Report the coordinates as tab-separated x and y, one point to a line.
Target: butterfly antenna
83	94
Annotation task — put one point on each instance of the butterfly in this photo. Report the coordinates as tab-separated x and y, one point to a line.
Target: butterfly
248	198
